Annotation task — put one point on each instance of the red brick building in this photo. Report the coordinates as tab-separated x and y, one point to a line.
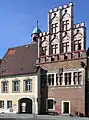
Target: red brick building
62	58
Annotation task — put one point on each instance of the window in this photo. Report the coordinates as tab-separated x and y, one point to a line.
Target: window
1	104
16	86
67	77
54	28
77	77
50	104
5	86
65	25
59	79
28	85
9	104
77	45
65	47
50	79
44	49
54	48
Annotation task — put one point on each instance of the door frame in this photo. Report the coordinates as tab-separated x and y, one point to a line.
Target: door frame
63	108
17	104
26	100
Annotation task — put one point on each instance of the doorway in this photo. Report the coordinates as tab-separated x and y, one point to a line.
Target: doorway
66	107
25	105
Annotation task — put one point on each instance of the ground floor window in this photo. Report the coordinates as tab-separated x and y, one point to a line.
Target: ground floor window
9	104
1	104
66	107
50	104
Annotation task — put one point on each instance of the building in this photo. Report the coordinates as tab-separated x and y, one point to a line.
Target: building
63	57
48	75
19	80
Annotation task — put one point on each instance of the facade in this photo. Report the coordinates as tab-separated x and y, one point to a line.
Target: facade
19	80
48	75
63	59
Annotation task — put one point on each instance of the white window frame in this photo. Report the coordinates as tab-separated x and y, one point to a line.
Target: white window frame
3	103
54	79
16	85
4	87
64	77
63	107
72	75
30	80
47	104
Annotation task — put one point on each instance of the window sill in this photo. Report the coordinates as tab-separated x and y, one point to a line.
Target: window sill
51	110
4	92
15	91
27	91
65	86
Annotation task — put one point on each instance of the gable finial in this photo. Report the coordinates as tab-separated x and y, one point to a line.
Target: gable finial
37	24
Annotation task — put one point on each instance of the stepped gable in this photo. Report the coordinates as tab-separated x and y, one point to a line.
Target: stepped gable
19	60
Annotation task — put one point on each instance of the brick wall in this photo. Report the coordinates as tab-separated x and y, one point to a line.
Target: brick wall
76	96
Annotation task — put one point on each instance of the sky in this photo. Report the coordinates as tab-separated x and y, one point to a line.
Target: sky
18	19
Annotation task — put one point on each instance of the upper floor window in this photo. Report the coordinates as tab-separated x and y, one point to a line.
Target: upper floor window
77	45
5	86
59	79
70	78
77	77
50	79
65	47
67	77
54	48
28	85
65	25
44	50
16	86
54	27
1	104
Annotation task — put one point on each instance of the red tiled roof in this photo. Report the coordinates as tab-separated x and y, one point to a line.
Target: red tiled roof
19	60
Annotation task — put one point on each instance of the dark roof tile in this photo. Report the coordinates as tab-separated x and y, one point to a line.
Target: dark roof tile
19	60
